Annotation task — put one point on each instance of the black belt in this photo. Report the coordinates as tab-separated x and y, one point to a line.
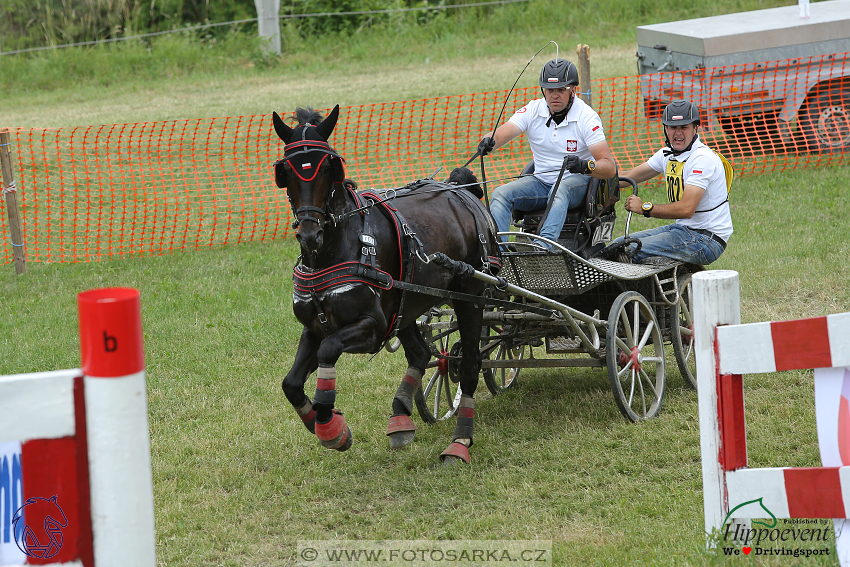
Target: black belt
711	235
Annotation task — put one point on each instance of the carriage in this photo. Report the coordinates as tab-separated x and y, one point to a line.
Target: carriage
572	309
381	265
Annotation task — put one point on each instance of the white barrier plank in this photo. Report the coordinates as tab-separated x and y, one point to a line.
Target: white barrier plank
744	485
746	349
839	338
38	405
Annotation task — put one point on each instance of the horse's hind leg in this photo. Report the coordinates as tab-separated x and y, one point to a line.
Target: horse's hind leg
401	429
469	319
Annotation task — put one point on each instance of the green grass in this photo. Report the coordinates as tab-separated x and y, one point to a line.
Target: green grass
239	481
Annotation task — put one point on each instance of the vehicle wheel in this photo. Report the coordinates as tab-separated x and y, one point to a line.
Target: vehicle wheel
825	119
635	357
500	379
683	332
437	397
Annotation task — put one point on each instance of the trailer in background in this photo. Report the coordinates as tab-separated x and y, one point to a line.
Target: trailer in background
760	76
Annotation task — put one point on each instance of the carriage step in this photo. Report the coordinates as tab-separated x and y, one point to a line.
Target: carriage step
560	345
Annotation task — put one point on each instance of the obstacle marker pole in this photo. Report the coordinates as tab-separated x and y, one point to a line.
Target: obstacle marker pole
117	422
716	302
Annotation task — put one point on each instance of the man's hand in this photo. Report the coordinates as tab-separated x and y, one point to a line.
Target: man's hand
486	145
574	164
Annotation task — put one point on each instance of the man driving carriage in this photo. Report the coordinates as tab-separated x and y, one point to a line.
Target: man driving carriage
558	125
698	181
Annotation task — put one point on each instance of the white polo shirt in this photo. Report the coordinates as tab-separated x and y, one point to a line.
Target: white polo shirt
581	128
702	168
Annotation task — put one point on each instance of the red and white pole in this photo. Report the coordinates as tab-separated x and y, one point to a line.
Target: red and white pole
113	365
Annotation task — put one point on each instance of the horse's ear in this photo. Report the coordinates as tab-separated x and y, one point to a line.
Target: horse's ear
326	126
284	132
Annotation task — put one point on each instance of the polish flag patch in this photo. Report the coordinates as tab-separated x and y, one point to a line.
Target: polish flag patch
572	145
594	129
552	79
306	165
697	171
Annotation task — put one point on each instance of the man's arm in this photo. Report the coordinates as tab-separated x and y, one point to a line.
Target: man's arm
641	173
682	209
504	134
606	167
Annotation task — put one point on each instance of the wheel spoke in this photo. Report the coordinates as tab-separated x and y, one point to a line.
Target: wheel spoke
622	344
627	327
649	383
649	326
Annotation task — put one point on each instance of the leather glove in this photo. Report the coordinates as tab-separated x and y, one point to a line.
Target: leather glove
574	164
486	145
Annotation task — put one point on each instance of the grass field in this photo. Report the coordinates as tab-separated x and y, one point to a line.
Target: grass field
238	481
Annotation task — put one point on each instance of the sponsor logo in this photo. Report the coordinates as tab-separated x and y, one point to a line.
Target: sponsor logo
39	534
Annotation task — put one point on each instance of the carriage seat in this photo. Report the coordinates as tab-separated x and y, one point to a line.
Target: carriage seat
582	222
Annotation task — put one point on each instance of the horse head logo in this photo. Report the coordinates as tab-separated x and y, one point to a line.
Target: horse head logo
40	533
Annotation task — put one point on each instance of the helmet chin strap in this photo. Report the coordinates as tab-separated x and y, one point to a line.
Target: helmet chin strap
561	114
669	149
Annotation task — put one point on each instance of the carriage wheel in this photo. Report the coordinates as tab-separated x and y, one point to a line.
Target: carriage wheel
438	397
500	379
635	357
683	332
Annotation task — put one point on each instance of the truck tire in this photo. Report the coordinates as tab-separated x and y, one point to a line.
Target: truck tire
825	119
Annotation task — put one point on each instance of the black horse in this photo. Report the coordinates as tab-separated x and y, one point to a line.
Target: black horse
365	261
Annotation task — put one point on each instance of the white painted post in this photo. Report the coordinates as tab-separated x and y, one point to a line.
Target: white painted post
716	302
268	21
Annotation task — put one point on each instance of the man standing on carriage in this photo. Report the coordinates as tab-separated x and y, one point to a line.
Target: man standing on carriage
558	126
698	182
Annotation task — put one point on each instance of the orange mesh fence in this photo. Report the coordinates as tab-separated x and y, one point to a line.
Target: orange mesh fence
101	192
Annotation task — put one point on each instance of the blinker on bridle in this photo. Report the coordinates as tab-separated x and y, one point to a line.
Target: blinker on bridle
305	146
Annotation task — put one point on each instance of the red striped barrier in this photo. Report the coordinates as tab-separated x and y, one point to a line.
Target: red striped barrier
75	473
726	350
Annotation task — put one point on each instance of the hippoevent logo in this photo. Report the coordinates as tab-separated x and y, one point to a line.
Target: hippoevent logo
764	537
38	527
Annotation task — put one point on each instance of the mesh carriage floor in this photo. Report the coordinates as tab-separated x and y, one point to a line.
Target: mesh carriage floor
568	274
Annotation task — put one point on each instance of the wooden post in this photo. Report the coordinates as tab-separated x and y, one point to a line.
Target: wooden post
9	192
583	52
717	301
268	23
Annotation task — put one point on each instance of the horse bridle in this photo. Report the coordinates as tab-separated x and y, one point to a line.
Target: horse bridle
305	146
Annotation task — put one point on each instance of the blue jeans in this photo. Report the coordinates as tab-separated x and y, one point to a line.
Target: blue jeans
530	194
677	242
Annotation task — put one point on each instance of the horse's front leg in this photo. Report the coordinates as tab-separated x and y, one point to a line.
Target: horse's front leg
361	336
293	384
401	429
469	319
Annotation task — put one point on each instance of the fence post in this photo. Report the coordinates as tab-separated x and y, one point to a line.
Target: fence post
268	22
717	301
9	192
583	52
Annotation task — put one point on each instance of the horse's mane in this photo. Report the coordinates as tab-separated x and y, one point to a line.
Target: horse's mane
306	115
464	176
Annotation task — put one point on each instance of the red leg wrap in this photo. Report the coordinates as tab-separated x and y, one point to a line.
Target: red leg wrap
457	450
334	434
400	423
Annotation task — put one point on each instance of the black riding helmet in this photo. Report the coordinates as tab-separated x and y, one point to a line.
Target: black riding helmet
558	73
679	113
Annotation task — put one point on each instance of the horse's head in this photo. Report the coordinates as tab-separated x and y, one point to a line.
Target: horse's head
310	170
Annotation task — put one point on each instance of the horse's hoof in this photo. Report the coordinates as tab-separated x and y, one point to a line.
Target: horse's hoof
401	431
455	453
335	434
401	439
